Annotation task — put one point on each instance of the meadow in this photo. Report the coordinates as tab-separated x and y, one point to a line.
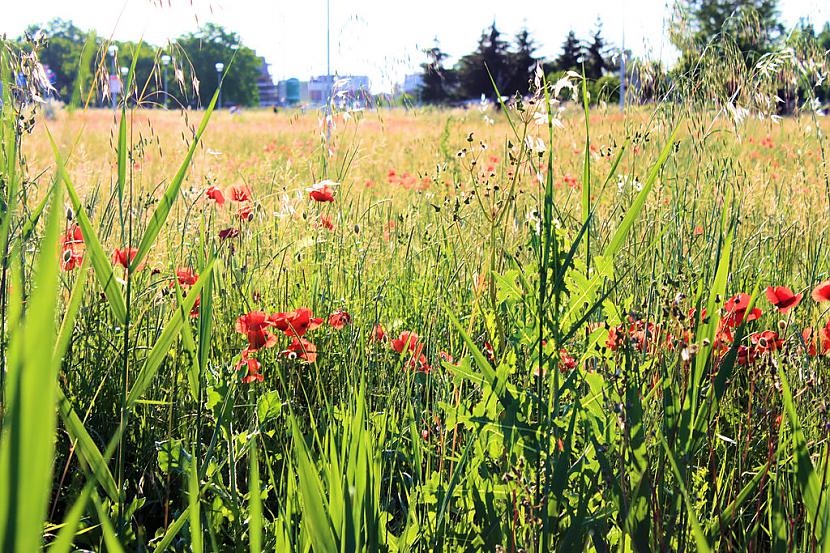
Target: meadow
512	329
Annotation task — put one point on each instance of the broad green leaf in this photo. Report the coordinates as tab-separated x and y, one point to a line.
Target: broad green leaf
27	442
100	261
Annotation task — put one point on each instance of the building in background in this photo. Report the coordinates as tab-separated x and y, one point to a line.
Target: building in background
346	90
268	93
412	85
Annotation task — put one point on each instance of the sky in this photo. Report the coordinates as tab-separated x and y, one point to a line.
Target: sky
382	39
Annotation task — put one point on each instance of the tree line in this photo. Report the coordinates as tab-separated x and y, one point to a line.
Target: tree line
509	67
722	45
79	62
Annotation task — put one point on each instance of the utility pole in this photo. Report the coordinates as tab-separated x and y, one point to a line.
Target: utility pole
328	75
165	61
113	50
622	62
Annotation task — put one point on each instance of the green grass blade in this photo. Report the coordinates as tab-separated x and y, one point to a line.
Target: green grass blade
166	202
639	202
110	538
165	341
808	480
193	499
100	261
27	443
66	536
254	503
318	525
84	444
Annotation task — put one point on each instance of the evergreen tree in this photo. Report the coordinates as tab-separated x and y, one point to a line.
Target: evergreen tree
438	82
596	61
571	56
493	55
522	64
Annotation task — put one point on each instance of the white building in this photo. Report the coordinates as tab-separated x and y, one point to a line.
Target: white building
347	89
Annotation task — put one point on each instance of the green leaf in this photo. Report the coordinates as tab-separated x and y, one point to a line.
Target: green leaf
639	202
27	442
318	525
166	202
87	450
110	539
254	503
193	499
165	341
100	261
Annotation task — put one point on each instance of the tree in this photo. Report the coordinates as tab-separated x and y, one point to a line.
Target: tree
571	56
212	44
522	63
437	82
64	42
492	54
752	25
596	61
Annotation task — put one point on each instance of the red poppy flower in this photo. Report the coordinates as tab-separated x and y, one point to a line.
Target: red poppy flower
73	237
766	341
194	312
824	339
252	367
246	213
255	325
420	364
71	258
489	352
325	222
821	293
444	356
240	193
378	335
302	349
782	298
296	323
745	355
125	257
215	194
186	277
322	191
228	233
615	338
405	341
807	336
736	307
567	362
339	319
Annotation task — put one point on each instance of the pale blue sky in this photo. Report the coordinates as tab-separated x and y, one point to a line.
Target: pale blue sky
378	38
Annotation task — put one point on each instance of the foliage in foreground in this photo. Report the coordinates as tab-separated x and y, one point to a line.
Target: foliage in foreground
495	356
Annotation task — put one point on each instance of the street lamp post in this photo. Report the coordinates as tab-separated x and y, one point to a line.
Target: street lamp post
165	61
124	91
113	50
219	67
